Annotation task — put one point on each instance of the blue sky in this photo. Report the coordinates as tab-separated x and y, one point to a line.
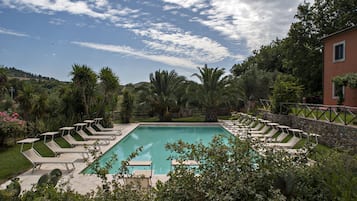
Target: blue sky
137	37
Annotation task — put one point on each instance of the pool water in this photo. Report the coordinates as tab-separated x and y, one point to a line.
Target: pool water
153	139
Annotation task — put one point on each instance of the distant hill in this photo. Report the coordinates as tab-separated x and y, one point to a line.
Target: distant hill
12	72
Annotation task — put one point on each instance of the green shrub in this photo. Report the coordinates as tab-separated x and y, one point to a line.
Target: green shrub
286	89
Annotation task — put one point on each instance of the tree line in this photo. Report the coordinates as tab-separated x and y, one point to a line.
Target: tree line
50	104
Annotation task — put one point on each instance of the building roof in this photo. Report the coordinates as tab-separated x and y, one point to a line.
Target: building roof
339	32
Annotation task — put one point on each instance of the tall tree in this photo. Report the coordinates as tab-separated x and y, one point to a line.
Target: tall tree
211	90
38	110
84	80
163	88
127	106
3	81
26	99
329	16
143	99
303	55
40	105
286	89
109	84
70	104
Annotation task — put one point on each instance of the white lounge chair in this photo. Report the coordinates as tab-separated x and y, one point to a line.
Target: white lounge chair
37	160
94	132
66	134
101	127
280	137
269	135
74	142
85	136
290	144
263	129
55	148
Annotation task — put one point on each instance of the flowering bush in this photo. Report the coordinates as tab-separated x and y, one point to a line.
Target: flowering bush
10	126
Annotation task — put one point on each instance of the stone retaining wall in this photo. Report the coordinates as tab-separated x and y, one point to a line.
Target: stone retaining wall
332	134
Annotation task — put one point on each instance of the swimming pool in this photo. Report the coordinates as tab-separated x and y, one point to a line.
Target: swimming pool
153	139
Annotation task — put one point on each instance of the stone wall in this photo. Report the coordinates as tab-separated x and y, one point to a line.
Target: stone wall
332	134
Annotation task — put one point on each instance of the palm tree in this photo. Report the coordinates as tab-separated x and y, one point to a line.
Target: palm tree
164	86
211	90
84	80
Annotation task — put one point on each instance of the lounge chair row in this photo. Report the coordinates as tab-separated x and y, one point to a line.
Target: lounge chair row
90	141
270	133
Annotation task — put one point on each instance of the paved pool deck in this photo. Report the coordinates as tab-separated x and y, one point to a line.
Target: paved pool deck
85	183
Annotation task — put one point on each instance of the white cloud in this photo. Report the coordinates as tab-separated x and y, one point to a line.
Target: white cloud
13	33
165	38
97	9
257	22
57	21
198	4
169	60
101	3
77	7
201	49
122	11
169	7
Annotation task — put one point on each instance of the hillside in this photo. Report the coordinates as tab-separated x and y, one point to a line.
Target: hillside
12	72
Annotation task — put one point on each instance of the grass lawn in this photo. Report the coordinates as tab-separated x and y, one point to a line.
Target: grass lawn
276	134
300	144
13	163
287	138
319	152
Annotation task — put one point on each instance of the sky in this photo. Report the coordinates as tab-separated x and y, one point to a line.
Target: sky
137	37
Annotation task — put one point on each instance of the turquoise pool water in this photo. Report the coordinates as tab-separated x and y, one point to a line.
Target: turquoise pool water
153	139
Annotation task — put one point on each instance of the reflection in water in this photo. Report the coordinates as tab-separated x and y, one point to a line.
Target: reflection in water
135	136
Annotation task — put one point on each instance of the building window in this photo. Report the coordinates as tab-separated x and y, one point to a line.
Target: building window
337	90
339	51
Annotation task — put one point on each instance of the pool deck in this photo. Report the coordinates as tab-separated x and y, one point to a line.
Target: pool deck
85	183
